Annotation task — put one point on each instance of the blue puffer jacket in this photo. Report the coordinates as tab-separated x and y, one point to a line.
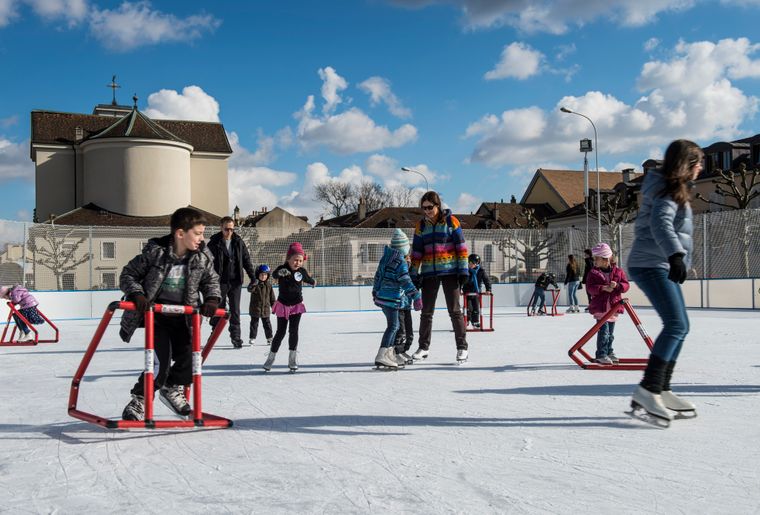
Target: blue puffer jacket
392	281
663	228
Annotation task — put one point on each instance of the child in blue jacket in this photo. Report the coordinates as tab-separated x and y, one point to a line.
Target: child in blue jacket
392	283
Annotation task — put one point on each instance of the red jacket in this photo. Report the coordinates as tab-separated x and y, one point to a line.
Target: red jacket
601	301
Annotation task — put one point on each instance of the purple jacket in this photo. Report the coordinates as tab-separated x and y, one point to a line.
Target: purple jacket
601	301
21	297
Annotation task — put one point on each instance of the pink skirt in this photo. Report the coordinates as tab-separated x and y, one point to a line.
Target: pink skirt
282	311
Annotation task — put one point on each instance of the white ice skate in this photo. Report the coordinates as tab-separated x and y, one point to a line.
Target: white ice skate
252	341
407	358
270	361
293	361
25	337
462	356
648	407
682	407
385	359
419	355
400	360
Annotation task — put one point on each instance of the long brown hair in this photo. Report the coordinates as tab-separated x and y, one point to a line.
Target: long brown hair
433	197
573	263
680	157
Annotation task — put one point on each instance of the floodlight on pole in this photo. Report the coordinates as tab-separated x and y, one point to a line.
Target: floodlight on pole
598	182
407	169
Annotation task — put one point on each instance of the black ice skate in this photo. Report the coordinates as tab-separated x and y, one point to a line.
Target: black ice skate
174	399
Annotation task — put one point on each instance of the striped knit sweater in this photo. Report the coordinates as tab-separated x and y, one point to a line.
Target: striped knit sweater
439	249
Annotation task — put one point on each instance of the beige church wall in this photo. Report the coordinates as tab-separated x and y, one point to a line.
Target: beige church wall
209	183
137	177
54	182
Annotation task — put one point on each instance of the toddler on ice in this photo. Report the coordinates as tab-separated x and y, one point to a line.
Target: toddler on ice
27	306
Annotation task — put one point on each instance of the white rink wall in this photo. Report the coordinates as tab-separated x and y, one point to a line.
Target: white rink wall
715	293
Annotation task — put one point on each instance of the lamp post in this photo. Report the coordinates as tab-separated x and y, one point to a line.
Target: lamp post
406	169
585	148
598	184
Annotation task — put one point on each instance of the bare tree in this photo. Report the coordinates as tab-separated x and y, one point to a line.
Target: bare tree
402	196
335	194
618	208
56	252
743	191
375	197
530	246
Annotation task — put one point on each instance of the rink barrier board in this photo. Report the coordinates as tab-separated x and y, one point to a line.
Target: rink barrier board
198	358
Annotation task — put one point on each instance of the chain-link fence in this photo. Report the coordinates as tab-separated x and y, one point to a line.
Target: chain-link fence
53	257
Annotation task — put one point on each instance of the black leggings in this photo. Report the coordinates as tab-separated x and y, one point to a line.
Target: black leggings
282	326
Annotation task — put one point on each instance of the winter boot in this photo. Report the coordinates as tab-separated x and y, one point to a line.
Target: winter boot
652	404
385	358
174	398
270	361
135	410
420	354
671	400
293	360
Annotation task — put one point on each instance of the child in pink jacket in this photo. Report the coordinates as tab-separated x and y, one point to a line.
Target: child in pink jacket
26	304
606	284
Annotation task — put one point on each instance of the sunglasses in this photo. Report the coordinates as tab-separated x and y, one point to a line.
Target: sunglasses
428	207
228	229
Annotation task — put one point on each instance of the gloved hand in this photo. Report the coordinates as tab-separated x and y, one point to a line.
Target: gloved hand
677	272
209	307
283	272
463	279
416	281
140	301
250	286
417	304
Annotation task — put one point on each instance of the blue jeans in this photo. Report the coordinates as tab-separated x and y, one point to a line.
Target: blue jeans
539	297
604	339
667	300
389	336
572	289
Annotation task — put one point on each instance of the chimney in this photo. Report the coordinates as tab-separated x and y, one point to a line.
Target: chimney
264	209
78	134
362	209
513	200
496	214
627	174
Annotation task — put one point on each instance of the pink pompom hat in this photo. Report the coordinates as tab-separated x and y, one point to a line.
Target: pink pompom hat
295	248
601	250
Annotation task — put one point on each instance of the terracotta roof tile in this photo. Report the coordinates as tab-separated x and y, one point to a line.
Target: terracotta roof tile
569	183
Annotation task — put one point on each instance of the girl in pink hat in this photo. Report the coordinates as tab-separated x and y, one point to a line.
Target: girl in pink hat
289	307
606	283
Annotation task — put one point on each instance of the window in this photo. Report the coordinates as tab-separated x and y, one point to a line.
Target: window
108	250
488	253
371	252
756	154
68	281
109	280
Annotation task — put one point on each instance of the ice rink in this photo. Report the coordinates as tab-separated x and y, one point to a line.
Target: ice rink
518	429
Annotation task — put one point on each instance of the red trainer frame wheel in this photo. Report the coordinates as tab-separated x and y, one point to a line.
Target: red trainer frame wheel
584	360
471	297
198	417
11	342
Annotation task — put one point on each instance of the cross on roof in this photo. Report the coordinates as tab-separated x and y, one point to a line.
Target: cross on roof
113	86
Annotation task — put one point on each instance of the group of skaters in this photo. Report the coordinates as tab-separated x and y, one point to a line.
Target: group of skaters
180	268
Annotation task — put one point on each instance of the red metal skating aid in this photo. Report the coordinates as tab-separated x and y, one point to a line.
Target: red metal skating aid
625	363
199	418
13	343
483	327
555	297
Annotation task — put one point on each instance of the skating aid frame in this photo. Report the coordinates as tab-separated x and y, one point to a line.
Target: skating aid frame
11	343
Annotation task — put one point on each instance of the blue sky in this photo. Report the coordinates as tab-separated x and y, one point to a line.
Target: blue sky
465	91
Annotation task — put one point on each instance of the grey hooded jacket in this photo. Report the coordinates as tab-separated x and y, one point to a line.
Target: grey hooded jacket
663	228
145	274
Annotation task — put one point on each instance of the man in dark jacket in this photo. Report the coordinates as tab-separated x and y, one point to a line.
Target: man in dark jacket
231	262
588	266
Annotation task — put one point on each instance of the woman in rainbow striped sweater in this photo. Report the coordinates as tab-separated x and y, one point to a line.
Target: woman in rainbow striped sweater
439	257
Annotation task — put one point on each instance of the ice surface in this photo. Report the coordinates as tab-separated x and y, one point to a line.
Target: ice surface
518	429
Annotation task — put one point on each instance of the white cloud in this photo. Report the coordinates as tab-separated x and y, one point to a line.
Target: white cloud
332	85
564	51
379	90
689	96
242	157
10	120
388	172
651	43
133	25
14	161
622	165
192	104
466	203
518	60
251	188
556	16
8	11
73	11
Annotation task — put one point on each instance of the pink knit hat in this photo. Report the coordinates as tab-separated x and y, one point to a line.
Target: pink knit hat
295	248
4	291
601	250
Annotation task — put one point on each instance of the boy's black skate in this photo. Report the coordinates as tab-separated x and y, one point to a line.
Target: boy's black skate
174	399
135	410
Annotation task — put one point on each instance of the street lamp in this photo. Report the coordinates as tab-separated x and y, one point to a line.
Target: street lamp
586	148
406	169
598	185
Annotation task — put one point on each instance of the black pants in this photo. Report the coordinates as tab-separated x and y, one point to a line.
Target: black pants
171	342
473	308
450	285
405	334
232	293
254	327
282	327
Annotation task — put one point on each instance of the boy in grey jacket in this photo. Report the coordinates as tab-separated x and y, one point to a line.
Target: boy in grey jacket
174	269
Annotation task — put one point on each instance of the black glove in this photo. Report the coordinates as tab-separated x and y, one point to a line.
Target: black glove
677	272
140	301
250	286
417	281
463	279
209	307
283	272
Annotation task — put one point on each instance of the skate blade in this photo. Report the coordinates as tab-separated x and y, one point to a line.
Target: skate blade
639	413
293	370
175	413
385	368
684	415
461	361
